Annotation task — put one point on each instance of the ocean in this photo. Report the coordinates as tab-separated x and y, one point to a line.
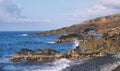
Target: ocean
11	42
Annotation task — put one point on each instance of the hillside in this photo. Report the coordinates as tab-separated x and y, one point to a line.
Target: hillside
97	24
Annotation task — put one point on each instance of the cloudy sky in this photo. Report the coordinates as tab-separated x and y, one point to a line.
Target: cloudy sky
36	15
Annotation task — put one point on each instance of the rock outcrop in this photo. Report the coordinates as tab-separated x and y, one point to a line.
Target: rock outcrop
36	55
110	43
68	38
49	55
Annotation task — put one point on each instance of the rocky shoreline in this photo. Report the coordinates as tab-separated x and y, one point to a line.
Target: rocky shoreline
101	47
48	55
36	55
100	52
117	68
106	63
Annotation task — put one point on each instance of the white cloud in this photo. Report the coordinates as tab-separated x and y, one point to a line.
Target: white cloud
100	10
11	13
111	3
105	7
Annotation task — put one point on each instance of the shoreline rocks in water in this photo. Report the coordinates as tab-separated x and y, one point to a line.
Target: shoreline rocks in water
48	55
36	55
89	47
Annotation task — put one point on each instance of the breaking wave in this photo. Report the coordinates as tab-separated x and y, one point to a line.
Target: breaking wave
58	65
24	35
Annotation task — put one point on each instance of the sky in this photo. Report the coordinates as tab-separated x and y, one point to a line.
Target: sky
41	15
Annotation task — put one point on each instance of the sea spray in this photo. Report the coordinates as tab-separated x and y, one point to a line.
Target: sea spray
52	42
4	60
57	65
62	64
16	41
76	43
24	35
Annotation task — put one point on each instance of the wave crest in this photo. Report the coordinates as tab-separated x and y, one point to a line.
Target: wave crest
24	35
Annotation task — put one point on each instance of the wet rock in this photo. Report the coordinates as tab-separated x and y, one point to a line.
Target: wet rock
38	52
117	69
36	55
25	52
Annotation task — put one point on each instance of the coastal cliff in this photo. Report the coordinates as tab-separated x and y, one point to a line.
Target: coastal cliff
99	42
97	24
89	47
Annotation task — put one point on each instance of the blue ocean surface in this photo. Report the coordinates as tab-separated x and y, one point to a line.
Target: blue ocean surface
11	42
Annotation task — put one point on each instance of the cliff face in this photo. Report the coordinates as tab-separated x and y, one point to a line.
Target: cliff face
110	43
80	28
98	24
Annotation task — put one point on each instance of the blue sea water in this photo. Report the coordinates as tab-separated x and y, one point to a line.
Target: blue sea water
11	42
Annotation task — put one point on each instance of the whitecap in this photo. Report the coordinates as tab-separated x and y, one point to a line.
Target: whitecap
62	63
76	43
24	35
58	65
51	42
5	60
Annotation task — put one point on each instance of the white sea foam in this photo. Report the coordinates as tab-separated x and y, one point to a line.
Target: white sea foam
62	64
4	60
24	35
58	65
76	43
51	42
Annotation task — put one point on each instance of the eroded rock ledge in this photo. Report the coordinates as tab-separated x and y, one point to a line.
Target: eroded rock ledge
49	55
36	55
